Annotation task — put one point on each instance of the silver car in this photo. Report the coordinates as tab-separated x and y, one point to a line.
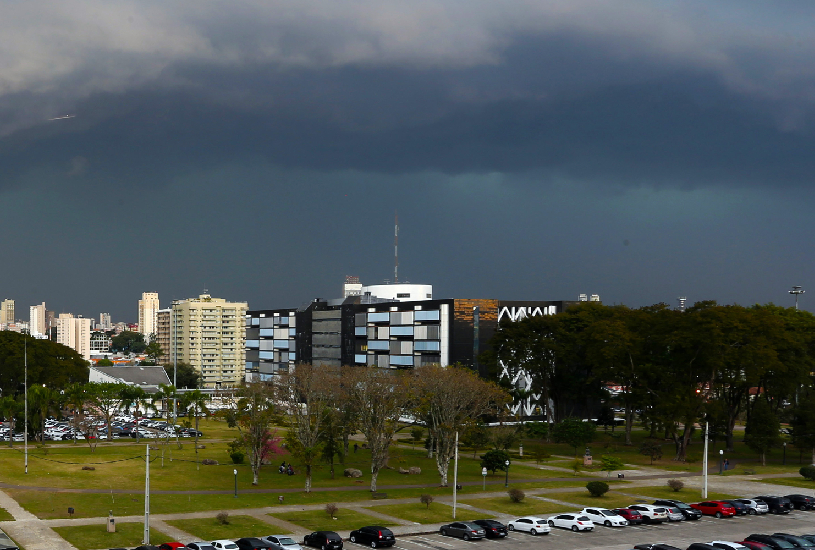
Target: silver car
754	506
283	542
674	514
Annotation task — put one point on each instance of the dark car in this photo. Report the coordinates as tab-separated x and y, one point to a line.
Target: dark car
494	529
200	546
752	545
146	547
777	505
741	508
687	511
810	538
252	543
802	502
655	546
701	546
172	546
633	517
772	542
325	540
6	543
797	541
463	529
373	535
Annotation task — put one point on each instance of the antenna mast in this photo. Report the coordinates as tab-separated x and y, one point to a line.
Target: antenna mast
396	250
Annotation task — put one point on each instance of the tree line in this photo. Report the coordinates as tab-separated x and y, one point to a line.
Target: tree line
710	363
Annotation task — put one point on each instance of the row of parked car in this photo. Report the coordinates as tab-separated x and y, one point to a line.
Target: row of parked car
780	541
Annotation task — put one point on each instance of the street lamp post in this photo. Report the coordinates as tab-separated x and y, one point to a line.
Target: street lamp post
235	472
796	291
484	475
785	453
506	480
721	461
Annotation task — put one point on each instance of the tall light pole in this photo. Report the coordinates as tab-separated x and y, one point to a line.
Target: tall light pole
25	390
721	461
455	478
147	496
506	479
785	454
704	465
235	473
796	291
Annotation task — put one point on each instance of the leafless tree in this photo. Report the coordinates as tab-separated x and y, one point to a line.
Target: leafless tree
254	410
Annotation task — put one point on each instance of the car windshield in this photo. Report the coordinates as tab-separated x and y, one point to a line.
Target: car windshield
682	506
583	518
609	513
285	540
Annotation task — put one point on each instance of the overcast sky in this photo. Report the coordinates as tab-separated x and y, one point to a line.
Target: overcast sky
534	150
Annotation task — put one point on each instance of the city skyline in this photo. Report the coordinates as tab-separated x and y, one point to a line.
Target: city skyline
634	150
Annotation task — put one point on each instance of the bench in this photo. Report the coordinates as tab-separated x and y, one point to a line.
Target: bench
379	496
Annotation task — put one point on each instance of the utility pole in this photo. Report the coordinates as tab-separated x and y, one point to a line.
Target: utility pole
455	478
147	497
796	291
25	390
704	464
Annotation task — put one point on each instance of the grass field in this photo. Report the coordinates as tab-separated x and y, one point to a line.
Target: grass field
319	520
5	516
528	507
90	537
238	527
611	499
688	494
418	512
790	482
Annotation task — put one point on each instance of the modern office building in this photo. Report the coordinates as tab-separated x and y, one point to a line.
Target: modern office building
148	309
36	323
7	312
74	332
209	334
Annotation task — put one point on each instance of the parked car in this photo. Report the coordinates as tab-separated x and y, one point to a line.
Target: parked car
373	535
575	522
284	542
325	540
701	546
686	509
146	547
715	508
797	541
200	545
801	502
494	529
632	516
651	513
6	543
464	529
755	506
810	538
776	504
222	544
530	524
752	545
172	546
772	542
656	546
253	543
674	514
726	545
601	516
741	508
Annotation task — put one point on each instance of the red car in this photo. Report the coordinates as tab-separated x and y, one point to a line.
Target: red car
633	517
753	545
715	508
172	546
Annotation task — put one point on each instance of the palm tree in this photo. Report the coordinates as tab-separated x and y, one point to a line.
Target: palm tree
75	398
9	407
166	393
44	401
135	396
195	401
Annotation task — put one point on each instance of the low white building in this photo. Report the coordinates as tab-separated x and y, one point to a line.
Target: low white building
147	378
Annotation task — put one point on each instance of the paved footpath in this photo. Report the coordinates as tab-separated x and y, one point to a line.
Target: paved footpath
28	530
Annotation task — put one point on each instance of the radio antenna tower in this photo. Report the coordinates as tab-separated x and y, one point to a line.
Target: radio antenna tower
396	250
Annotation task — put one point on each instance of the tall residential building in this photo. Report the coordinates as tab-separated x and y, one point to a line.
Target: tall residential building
105	322
163	334
209	334
148	309
75	332
36	323
7	311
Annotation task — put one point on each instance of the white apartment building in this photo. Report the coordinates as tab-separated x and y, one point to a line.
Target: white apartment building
209	334
148	309
7	312
105	322
75	332
36	323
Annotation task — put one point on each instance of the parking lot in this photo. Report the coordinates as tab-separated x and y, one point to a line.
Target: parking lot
680	534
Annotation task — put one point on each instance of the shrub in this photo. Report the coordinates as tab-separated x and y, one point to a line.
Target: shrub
692	458
211	462
237	458
516	495
597	488
222	518
540	454
426	499
808	472
91	468
676	484
494	460
331	509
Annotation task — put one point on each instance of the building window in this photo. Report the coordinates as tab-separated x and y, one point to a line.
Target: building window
403	294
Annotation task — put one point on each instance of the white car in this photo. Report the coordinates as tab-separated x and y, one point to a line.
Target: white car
754	506
530	524
601	516
727	545
575	522
650	512
674	514
283	541
224	545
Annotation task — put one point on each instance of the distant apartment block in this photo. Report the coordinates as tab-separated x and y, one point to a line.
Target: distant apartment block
7	312
105	322
100	342
148	310
36	323
75	332
209	334
163	334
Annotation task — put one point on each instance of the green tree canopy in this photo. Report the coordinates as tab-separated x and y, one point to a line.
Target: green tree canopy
49	363
187	376
762	432
575	432
128	342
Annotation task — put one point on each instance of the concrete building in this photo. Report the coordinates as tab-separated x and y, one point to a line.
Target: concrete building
7	312
147	378
148	310
163	334
36	323
74	332
209	334
105	322
100	342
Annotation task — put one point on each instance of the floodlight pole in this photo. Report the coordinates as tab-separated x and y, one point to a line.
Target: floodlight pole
147	497
796	291
704	464
455	478
25	390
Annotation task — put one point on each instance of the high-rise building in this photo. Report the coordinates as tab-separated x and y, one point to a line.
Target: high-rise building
148	309
7	311
209	334
105	322
75	332
163	334
36	323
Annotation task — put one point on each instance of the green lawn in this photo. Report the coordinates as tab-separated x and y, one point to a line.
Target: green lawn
210	529
528	507
5	516
688	494
89	537
319	520
419	513
790	482
611	499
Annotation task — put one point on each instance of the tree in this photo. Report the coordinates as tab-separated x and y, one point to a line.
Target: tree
195	402
451	399
254	411
597	488
9	407
762	432
104	362
605	417
106	399
49	363
128	342
153	350
331	439
495	460
43	400
651	450
609	463
135	396
380	398
306	393
186	376
416	435
575	432
476	437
